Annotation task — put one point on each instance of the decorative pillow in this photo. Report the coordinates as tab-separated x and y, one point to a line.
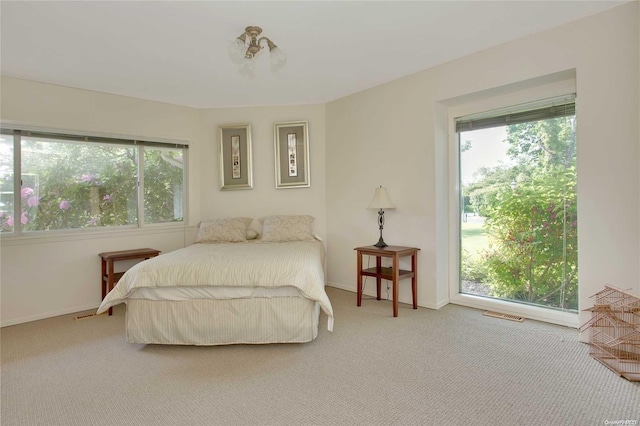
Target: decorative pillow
287	228
255	229
227	230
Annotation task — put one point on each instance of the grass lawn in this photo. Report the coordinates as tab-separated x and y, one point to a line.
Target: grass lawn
473	237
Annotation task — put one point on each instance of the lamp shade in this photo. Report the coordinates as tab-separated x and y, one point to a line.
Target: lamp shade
381	200
278	58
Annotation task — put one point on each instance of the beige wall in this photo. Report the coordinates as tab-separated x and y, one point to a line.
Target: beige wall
53	275
396	135
264	198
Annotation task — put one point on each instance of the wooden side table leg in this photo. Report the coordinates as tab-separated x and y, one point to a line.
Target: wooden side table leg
396	278
414	280
378	279
102	281
110	279
359	299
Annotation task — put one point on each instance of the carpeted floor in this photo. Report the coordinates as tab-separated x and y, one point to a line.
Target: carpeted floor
453	366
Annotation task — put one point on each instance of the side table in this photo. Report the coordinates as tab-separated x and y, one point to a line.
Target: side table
109	277
394	273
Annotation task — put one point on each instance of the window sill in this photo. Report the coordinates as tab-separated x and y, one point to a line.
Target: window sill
567	319
44	237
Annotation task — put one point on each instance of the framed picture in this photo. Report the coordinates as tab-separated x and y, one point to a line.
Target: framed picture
236	169
292	154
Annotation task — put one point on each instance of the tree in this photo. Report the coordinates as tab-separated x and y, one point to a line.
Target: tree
492	180
531	215
533	242
76	185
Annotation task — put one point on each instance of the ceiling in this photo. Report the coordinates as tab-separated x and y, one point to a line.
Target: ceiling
176	51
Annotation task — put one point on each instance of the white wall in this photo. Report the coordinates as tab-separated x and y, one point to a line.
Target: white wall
54	275
396	135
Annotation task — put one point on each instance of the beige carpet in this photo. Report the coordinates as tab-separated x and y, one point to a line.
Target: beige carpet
448	367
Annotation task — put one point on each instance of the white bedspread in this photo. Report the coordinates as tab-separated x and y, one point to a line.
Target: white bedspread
257	264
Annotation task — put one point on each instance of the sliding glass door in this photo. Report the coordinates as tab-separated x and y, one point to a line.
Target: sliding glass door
518	211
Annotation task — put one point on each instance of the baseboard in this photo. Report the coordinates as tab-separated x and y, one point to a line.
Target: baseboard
439	304
46	315
340	286
423	304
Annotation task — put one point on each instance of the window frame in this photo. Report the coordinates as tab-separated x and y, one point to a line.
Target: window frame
502	100
93	138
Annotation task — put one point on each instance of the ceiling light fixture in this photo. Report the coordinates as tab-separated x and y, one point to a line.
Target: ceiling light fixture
244	48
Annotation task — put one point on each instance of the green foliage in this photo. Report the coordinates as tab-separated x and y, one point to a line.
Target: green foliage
467	207
549	144
531	216
72	185
472	268
532	254
162	179
484	192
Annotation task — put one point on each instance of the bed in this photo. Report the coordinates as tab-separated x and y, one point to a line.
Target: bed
227	289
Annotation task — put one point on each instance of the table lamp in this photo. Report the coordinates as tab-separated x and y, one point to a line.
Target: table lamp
381	201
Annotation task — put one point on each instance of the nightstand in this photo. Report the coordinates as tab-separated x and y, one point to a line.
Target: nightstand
394	273
109	277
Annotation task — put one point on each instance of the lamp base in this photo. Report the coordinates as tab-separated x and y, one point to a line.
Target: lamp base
381	243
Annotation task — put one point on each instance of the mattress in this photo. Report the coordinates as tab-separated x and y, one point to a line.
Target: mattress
210	292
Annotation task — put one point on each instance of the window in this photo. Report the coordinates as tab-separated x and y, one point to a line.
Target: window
518	204
74	182
6	183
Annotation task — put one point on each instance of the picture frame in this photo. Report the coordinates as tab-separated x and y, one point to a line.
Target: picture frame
291	141
235	157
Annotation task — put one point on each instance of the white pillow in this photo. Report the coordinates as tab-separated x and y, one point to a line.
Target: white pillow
287	228
255	229
227	230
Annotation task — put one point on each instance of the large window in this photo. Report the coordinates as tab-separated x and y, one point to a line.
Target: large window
72	182
518	218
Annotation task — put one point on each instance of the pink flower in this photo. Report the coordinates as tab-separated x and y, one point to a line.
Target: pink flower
26	192
32	201
64	205
89	178
106	198
10	221
23	218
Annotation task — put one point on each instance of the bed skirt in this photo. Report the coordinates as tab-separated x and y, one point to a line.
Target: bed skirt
222	322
